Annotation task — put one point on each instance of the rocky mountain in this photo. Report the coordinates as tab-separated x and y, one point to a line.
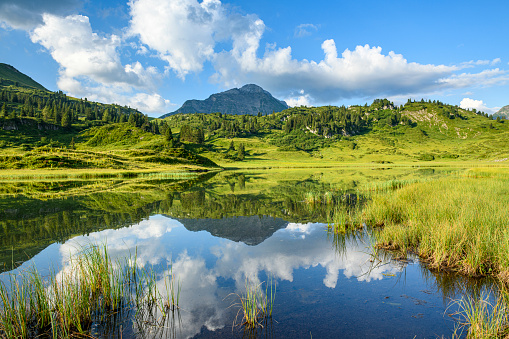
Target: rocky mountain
249	99
251	230
503	112
11	76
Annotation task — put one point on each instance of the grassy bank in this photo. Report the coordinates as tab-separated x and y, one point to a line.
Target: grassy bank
457	222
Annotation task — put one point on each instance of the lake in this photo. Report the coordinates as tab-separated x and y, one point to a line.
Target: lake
218	232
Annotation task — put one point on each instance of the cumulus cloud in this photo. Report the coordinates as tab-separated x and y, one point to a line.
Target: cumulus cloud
362	72
90	64
27	14
479	105
301	99
304	30
182	32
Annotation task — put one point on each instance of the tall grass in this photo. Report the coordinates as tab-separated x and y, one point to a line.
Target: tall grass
257	303
93	290
482	316
459	223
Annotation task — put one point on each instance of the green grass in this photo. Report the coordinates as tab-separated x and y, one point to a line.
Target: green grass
93	289
457	222
453	222
482	316
256	303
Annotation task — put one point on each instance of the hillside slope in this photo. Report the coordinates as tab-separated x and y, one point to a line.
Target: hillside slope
10	75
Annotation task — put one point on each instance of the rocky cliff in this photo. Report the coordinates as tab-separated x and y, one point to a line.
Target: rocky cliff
249	99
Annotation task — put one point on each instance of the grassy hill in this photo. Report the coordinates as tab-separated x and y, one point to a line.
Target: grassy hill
46	130
11	76
418	132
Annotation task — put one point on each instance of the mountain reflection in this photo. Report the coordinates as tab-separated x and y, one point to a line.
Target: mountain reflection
213	269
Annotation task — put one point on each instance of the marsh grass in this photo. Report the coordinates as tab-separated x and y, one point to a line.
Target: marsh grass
483	316
390	185
93	290
454	223
257	303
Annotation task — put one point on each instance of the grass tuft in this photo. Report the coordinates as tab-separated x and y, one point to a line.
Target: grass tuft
257	303
93	290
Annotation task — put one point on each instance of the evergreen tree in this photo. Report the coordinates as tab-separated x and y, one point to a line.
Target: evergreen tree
232	147
167	134
242	152
46	114
106	115
66	119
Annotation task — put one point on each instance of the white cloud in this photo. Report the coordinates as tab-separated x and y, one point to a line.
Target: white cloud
472	63
496	61
26	14
479	105
90	64
302	99
304	30
362	72
488	77
182	32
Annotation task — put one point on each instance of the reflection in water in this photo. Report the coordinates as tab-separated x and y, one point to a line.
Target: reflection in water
216	233
212	269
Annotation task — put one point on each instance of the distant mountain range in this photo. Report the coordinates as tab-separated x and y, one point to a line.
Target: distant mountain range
249	99
12	76
503	112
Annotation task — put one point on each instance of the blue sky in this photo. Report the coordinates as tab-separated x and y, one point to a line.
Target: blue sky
155	54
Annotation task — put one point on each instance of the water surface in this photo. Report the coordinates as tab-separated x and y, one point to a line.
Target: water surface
217	232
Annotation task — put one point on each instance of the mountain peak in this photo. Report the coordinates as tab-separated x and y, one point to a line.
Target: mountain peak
249	99
252	88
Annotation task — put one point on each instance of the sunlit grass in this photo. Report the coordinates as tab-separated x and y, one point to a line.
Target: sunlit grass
257	303
459	223
482	316
94	289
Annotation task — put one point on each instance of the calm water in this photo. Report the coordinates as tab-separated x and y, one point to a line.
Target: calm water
218	231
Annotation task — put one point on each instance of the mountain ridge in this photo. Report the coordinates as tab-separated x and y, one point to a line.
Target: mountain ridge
503	112
249	99
11	74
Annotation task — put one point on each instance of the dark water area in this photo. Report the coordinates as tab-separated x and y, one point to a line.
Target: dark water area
220	230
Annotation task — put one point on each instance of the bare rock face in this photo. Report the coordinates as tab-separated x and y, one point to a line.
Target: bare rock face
503	112
249	99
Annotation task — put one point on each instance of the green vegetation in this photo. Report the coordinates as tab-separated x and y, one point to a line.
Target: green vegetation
455	222
483	316
256	304
93	290
90	135
380	133
42	129
11	76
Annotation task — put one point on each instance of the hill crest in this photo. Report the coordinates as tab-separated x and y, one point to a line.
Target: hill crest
10	74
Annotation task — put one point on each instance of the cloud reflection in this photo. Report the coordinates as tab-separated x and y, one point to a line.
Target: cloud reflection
204	271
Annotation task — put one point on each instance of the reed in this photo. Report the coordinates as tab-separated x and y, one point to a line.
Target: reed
94	289
458	223
257	303
483	316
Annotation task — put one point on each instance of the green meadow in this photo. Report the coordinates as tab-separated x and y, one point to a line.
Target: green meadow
55	147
